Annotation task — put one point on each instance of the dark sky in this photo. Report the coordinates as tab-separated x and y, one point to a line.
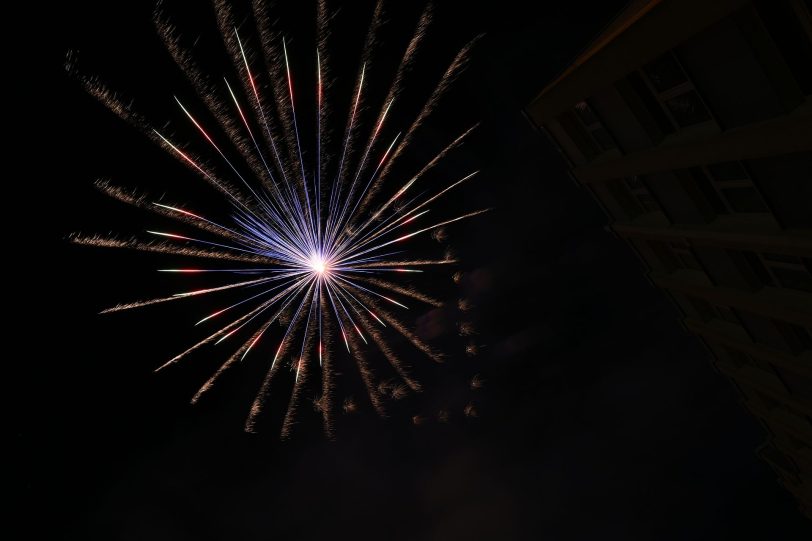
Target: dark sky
600	418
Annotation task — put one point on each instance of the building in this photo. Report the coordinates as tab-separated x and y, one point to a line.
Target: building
690	121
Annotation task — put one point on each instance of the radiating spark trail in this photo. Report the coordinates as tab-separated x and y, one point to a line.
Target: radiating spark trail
166	248
306	241
454	69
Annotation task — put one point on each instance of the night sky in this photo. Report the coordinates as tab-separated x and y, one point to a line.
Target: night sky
601	418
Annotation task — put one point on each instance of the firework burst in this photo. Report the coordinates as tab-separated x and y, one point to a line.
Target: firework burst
318	248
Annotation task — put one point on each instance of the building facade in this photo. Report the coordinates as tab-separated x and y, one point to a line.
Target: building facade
691	123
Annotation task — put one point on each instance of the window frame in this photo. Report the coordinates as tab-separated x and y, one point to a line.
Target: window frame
593	127
683	88
638	188
720	185
798	265
682	251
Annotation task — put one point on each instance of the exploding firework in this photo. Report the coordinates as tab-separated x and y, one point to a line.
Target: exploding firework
317	248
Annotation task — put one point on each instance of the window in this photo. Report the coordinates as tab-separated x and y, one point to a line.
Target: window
665	255
665	74
728	63
744	199
611	106
738	358
675	92
790	271
639	190
726	314
586	114
734	269
779	460
703	308
727	171
795	443
798	338
776	333
800	386
623	197
578	135
687	108
792	38
684	200
754	369
784	182
635	183
644	104
734	188
769	402
686	257
754	264
709	194
675	255
762	365
589	120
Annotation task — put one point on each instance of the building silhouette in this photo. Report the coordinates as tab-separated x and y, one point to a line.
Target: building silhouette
690	122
